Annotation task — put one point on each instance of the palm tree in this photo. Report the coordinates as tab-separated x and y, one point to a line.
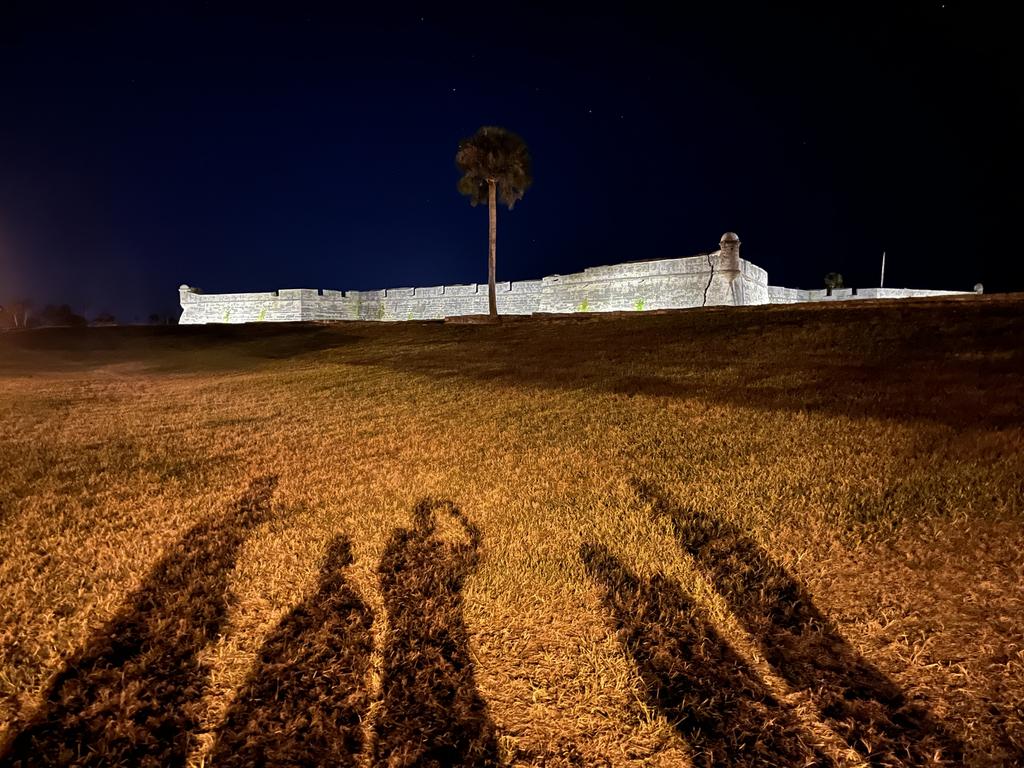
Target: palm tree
493	161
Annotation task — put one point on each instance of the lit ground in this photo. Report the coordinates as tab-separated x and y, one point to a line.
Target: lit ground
778	535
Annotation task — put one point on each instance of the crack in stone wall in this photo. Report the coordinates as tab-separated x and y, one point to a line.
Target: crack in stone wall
711	277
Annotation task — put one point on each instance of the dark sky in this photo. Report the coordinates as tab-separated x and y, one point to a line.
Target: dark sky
303	145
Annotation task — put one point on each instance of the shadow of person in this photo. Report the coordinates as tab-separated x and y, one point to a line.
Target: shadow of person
305	700
131	696
430	712
692	674
858	701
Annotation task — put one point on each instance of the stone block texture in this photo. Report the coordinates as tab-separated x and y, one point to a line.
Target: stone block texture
720	278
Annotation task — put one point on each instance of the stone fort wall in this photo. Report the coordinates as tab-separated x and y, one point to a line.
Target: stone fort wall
720	278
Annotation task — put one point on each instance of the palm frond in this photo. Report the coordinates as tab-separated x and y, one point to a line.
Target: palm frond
498	155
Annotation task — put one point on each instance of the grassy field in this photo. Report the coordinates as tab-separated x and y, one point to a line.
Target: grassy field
769	535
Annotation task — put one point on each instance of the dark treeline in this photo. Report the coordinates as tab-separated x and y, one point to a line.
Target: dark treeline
25	314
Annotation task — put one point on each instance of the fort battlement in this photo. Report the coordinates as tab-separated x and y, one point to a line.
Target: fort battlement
720	278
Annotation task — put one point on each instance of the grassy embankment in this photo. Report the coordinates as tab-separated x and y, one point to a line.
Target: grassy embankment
764	535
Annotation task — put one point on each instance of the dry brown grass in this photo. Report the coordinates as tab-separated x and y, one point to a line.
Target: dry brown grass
810	514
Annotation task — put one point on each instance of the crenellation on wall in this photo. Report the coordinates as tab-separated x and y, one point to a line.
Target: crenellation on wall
462	290
718	278
779	295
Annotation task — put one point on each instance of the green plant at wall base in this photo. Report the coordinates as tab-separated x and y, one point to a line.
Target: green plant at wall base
639	305
227	315
262	315
409	316
380	311
584	306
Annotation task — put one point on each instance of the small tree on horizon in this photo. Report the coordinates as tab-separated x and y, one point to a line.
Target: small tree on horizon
18	312
61	315
833	280
495	164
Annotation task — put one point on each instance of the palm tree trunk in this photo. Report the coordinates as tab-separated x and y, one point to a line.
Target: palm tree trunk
492	210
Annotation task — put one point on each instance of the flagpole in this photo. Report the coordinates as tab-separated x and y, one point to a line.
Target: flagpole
881	283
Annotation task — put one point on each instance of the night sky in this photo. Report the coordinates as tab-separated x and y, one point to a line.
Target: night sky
304	146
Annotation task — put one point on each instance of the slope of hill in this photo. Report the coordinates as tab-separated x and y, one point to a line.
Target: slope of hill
768	535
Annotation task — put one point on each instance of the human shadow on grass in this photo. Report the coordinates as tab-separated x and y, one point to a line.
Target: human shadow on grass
305	701
693	675
132	696
431	713
858	701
